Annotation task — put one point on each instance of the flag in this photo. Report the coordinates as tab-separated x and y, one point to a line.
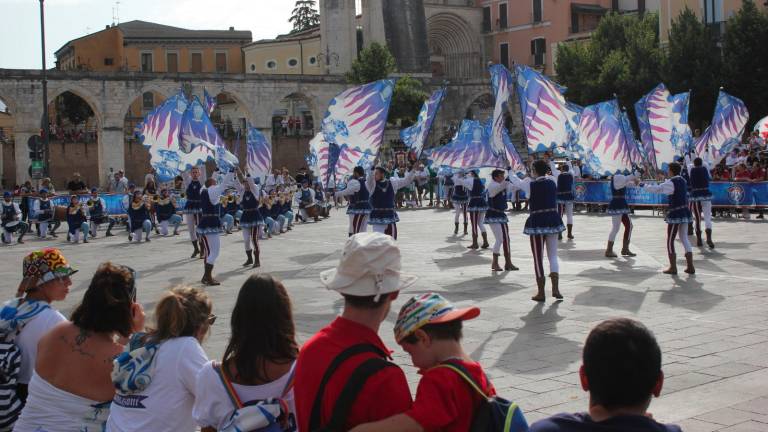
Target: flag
259	154
573	118
210	102
635	147
545	111
501	82
357	117
728	123
601	134
644	124
330	162
415	136
762	128
664	129
471	148
199	140
682	137
159	132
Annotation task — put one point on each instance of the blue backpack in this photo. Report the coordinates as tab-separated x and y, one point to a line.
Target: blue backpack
495	414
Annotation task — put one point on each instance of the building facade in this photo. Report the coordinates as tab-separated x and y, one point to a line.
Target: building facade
714	13
292	54
529	31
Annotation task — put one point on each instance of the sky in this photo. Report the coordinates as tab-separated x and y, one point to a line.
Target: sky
70	19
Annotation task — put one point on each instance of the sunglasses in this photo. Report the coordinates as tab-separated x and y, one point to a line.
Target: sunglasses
211	319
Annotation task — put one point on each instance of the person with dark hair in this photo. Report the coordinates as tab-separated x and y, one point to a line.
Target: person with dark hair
476	207
139	218
359	196
496	219
259	359
701	197
46	278
210	228
621	370
192	208
369	278
619	210
678	216
11	219
70	388
77	220
165	210
543	225
564	179
97	210
383	217
43	207
459	197
155	375
251	220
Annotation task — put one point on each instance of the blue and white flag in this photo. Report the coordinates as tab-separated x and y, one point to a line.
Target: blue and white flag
415	136
545	111
210	102
356	118
259	154
573	117
664	129
682	137
602	135
727	127
159	132
471	148
646	136
199	139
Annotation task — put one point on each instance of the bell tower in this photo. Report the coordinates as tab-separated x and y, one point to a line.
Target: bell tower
338	34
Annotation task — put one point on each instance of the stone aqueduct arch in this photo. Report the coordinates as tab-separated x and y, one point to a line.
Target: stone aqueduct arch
111	94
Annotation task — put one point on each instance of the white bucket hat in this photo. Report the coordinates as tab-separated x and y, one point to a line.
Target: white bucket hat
369	266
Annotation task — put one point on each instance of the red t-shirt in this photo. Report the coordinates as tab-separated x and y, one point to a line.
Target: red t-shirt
445	402
384	394
758	174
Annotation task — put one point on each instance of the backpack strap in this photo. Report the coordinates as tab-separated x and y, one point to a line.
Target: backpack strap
464	374
314	420
219	369
352	389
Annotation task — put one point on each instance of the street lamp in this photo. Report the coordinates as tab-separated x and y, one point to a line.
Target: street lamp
327	57
44	121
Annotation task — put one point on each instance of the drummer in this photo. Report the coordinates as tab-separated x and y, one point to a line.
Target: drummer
44	210
306	198
97	208
10	219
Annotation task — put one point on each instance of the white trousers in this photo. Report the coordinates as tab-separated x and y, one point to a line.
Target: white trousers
616	221
357	223
389	229
501	235
459	210
702	208
568	207
43	229
251	237
191	220
538	244
211	247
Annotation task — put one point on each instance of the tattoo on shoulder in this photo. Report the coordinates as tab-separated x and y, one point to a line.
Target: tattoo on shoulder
77	345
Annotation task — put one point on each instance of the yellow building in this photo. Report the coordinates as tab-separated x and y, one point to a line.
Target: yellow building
142	46
712	12
292	54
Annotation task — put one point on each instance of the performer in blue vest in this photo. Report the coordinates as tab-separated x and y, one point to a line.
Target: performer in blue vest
286	212
496	218
445	181
165	210
678	216
476	207
543	225
209	228
383	217
359	208
97	210
139	218
43	208
701	197
306	200
10	218
77	220
618	208
192	208
251	221
459	198
564	177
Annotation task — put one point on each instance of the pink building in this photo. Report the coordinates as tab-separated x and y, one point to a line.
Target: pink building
528	31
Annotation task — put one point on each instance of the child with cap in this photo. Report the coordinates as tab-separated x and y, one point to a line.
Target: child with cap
429	330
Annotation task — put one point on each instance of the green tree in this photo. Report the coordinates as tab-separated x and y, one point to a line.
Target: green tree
304	16
693	63
74	108
407	100
745	59
372	64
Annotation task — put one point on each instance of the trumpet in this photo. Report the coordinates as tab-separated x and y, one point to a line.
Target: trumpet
90	203
183	195
232	199
155	198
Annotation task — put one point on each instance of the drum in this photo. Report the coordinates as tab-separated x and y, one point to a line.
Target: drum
60	213
312	212
12	226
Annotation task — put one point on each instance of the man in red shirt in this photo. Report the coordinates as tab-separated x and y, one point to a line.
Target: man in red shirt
368	277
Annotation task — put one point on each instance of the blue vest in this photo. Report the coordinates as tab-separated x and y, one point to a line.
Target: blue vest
284	208
137	217
679	198
544	218
362	195
304	200
700	183
251	213
684	175
97	210
565	186
618	203
459	194
543	196
448	181
193	195
165	211
210	221
74	221
497	205
45	211
9	213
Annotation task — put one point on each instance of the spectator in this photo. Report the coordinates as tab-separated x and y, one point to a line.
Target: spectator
429	329
70	388
46	279
622	372
284	126
259	359
368	277
172	356
47	184
119	184
76	185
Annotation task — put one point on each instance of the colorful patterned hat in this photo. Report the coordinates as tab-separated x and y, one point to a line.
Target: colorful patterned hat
426	309
46	265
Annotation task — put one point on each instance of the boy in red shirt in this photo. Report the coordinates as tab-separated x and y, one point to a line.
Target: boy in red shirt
429	329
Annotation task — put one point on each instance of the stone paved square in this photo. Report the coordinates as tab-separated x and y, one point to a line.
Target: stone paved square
712	327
